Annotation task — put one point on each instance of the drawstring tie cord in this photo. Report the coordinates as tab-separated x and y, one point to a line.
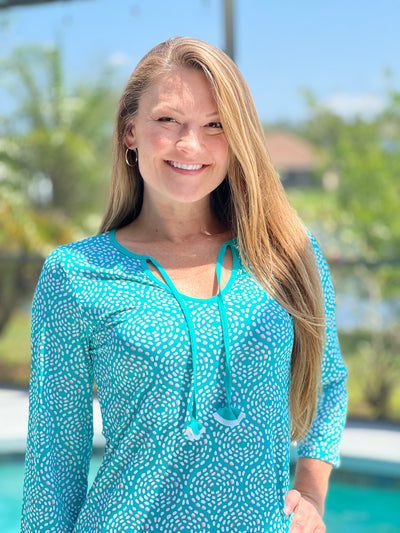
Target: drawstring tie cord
227	415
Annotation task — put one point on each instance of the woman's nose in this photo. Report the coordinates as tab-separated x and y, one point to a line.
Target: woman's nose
189	140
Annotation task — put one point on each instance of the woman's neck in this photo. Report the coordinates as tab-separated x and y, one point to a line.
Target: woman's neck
183	223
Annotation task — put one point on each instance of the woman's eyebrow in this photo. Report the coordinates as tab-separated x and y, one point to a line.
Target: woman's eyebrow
164	108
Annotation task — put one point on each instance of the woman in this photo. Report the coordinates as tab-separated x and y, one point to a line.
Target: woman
205	313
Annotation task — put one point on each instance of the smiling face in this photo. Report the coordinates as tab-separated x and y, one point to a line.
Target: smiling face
183	151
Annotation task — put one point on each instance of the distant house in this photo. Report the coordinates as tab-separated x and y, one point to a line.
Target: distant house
293	157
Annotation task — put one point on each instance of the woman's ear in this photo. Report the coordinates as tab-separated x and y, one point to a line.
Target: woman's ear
130	137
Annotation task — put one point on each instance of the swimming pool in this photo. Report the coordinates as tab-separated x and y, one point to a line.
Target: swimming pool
356	503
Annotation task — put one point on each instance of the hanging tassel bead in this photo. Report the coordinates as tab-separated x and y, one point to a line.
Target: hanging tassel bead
229	416
194	430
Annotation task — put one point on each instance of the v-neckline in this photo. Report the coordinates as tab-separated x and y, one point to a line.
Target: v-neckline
145	259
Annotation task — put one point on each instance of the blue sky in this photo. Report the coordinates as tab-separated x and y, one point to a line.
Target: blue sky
338	49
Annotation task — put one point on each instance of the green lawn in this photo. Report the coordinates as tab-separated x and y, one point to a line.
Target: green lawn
15	351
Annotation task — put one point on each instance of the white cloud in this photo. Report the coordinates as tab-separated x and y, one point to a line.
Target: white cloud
117	59
348	105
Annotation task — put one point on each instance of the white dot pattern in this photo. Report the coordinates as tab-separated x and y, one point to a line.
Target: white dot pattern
100	314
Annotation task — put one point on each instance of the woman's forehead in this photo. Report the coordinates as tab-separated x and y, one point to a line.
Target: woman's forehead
180	86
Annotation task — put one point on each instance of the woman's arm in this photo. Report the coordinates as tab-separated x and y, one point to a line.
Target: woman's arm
323	438
307	498
319	450
60	407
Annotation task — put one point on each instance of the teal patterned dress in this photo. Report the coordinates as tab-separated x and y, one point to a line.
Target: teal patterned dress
194	395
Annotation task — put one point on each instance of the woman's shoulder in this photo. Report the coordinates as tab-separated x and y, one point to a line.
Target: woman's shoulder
87	245
323	268
95	250
319	254
90	244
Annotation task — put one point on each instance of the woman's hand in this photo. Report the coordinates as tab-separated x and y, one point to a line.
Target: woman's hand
306	500
306	518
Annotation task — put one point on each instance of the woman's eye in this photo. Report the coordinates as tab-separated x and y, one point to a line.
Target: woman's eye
166	119
216	125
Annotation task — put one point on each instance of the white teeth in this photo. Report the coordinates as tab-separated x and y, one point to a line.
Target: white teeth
184	167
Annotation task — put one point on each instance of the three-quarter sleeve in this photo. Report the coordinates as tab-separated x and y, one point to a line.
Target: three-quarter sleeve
323	439
60	406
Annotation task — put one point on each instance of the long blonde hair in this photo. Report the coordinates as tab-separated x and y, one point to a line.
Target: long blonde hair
272	241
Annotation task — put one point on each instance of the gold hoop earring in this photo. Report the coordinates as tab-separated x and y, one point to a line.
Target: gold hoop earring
129	163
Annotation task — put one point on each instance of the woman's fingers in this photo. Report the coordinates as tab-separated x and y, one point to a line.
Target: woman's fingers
292	501
306	518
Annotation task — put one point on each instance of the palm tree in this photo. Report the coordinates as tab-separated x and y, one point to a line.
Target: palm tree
57	137
54	160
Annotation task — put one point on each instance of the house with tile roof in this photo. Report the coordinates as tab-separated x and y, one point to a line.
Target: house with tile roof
293	157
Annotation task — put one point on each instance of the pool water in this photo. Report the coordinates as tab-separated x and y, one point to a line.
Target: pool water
370	505
353	508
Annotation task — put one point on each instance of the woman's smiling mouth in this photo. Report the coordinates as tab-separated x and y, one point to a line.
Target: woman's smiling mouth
183	166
